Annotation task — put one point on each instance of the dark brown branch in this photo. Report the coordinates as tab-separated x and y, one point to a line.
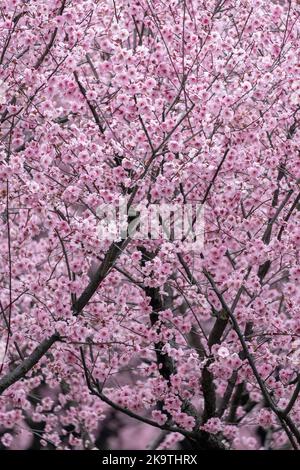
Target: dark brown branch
267	235
110	258
51	42
21	370
294	205
158	303
218	329
235	402
91	107
227	395
215	176
294	398
209	393
46	51
203	440
285	420
15	20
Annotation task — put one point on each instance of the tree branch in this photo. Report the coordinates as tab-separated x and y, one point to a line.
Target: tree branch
51	42
91	107
110	258
21	370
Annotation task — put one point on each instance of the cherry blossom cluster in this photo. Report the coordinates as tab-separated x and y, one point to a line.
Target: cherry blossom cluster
178	102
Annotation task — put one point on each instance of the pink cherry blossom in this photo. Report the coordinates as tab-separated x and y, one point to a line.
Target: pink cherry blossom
106	336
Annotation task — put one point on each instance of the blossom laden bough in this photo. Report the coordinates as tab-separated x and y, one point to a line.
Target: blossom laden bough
162	104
